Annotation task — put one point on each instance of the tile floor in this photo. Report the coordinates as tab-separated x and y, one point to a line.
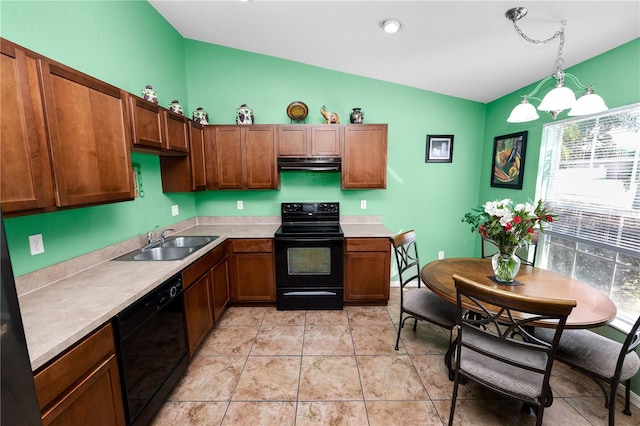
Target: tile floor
261	366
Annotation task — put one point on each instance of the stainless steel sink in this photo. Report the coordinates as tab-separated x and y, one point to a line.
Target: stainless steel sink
191	241
164	253
173	248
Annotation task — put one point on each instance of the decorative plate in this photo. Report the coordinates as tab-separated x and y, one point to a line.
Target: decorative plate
297	111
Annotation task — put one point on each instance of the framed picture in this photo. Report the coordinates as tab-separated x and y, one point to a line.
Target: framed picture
508	160
439	149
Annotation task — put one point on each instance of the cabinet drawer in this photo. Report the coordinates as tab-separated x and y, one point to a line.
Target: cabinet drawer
73	365
252	246
368	244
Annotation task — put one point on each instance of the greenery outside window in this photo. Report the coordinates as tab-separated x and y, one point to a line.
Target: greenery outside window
589	175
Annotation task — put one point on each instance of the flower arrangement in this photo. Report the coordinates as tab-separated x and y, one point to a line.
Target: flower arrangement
507	224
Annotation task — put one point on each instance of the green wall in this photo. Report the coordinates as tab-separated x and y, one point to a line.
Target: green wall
127	44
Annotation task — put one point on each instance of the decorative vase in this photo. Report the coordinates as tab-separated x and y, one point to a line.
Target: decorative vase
356	116
176	107
201	116
244	115
505	264
149	94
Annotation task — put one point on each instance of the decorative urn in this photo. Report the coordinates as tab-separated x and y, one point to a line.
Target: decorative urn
356	116
244	115
149	94
201	116
176	107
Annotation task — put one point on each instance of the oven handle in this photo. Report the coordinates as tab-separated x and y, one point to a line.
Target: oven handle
309	240
310	293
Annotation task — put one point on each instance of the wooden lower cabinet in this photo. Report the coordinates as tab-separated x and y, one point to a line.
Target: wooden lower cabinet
367	270
82	386
252	270
206	295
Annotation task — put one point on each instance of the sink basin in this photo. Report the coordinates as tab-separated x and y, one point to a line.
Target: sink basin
164	253
194	241
174	248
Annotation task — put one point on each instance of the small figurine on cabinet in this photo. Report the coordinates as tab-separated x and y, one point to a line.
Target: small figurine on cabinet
329	117
244	115
176	107
148	94
201	116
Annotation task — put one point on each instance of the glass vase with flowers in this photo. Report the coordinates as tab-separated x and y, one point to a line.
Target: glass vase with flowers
509	226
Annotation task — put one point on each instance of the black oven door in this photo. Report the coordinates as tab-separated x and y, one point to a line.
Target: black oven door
309	272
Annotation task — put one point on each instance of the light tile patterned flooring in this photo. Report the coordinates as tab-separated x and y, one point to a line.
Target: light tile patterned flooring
261	366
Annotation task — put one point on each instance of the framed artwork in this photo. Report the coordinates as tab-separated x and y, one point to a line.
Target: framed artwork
508	160
439	149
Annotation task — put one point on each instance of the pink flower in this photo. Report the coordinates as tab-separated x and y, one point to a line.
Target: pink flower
549	218
517	219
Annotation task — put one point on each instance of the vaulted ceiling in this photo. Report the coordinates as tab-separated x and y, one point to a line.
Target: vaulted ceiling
466	49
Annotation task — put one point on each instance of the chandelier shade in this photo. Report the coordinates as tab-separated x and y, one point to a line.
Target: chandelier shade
523	112
561	97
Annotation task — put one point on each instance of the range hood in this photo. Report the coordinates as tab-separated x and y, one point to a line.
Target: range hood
311	164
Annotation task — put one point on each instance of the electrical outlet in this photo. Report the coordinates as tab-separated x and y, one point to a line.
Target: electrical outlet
441	254
35	244
363	204
175	210
239	205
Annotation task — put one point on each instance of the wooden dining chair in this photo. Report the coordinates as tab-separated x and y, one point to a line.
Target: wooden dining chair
496	349
603	360
419	302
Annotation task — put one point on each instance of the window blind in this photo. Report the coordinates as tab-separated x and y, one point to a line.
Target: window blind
591	179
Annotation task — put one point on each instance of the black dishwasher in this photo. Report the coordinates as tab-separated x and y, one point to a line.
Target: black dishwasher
152	350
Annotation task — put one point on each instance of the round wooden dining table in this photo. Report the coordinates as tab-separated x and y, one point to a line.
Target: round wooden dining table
593	308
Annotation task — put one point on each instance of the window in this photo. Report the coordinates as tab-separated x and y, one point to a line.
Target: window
589	176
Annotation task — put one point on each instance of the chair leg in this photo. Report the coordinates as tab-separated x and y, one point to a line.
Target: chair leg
612	404
627	395
453	399
415	324
400	325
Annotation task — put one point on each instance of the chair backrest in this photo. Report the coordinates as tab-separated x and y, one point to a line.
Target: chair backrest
501	338
406	251
630	343
527	253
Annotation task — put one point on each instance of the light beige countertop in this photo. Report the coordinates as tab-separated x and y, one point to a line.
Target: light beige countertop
62	304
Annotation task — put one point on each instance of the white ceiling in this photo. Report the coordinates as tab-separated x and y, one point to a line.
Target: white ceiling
466	49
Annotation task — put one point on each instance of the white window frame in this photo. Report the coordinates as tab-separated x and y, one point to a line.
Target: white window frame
587	210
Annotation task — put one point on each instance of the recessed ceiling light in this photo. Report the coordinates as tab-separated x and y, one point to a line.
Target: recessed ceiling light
391	25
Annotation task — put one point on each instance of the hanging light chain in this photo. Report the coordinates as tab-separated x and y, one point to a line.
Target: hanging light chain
558	34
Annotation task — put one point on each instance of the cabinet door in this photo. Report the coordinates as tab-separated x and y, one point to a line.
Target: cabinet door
196	152
148	128
228	148
261	168
177	128
252	271
364	158
186	173
326	140
96	400
82	386
293	141
89	135
198	312
367	270
220	288
25	171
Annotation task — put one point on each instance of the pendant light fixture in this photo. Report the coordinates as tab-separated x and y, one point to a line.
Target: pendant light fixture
560	97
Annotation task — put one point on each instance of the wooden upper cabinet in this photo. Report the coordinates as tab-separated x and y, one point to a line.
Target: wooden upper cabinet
293	140
25	170
326	140
186	173
156	129
241	157
261	169
364	156
177	128
89	137
309	141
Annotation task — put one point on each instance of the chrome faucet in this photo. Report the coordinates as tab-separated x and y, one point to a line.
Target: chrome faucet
162	236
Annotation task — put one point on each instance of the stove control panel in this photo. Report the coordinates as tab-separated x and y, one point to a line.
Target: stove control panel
310	208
